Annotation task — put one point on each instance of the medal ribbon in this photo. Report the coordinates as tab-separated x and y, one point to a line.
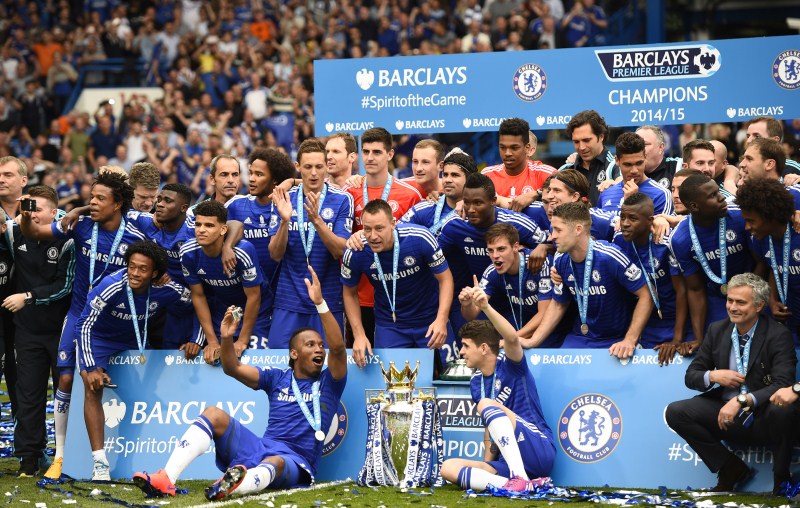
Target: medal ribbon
93	251
438	220
384	194
583	295
316	420
140	341
395	262
723	253
520	275
652	272
783	287
742	358
308	244
483	388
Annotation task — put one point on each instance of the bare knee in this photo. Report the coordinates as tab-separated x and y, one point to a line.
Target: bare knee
486	402
218	418
278	462
450	470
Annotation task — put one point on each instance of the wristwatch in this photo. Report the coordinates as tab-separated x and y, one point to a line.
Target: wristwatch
796	388
28	298
742	400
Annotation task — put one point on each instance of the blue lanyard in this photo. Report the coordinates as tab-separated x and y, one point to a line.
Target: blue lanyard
141	342
483	388
438	220
384	194
395	261
701	256
521	276
93	251
783	287
583	295
654	286
316	420
742	359
308	244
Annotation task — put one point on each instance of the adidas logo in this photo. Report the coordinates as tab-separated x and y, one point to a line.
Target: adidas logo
89	241
468	240
521	437
508	286
201	272
261	219
607	203
23	248
248	221
121	306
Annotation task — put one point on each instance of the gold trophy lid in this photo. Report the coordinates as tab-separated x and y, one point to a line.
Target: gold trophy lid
400	379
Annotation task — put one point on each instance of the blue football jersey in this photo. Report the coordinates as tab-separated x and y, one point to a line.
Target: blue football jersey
514	387
287	423
761	249
611	198
106	262
107	315
292	294
665	268
611	284
417	297
602	222
171	241
256	219
424	213
739	259
504	290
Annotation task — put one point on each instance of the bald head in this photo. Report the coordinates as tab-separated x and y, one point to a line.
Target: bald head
720	156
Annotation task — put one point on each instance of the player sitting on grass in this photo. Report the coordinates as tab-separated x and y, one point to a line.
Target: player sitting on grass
288	453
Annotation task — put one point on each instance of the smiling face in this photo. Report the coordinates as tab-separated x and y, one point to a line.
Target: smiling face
308	352
634	222
741	307
140	271
587	144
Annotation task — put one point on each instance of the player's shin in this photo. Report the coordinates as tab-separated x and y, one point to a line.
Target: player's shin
194	442
477	479
257	479
502	431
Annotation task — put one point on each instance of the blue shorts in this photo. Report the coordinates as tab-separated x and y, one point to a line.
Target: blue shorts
537	452
285	322
66	346
177	329
392	336
102	350
579	341
238	445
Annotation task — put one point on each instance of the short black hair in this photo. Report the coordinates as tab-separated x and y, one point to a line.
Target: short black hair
480	181
591	117
481	332
212	208
377	135
120	189
629	143
766	197
151	250
690	188
376	206
181	190
515	127
640	198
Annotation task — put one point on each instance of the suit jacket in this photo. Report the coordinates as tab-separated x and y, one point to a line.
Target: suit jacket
772	359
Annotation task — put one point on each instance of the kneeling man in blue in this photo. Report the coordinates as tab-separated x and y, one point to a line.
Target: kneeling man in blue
508	402
288	453
113	320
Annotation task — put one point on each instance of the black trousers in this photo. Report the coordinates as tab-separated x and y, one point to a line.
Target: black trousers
36	359
9	367
367	321
695	420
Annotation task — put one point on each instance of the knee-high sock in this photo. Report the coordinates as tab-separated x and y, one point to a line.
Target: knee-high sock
194	442
61	417
477	479
502	431
257	478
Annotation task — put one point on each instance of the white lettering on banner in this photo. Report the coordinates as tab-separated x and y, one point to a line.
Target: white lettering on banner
464	449
412	100
179	413
658	95
565	359
553	120
121	446
424	76
651	58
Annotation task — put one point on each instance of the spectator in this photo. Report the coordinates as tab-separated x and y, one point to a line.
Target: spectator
103	142
475	37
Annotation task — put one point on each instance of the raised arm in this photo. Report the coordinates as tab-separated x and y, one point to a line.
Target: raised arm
245	374
511	344
337	353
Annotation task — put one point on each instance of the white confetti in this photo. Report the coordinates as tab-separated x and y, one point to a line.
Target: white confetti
41	505
95	492
68	501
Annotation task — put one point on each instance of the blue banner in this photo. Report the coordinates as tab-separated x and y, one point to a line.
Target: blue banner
155	402
700	82
607	418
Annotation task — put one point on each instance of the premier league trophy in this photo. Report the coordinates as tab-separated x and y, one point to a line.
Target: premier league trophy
404	433
457	371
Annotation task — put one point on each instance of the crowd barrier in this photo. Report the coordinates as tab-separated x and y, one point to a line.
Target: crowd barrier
607	418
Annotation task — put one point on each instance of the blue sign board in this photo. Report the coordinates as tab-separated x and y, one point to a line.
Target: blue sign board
701	82
607	418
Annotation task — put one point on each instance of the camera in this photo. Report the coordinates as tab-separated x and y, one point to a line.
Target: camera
237	313
28	205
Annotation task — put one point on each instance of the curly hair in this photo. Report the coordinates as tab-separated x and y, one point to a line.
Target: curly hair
120	189
766	197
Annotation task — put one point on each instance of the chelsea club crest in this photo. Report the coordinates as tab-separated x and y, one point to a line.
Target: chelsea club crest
590	428
337	430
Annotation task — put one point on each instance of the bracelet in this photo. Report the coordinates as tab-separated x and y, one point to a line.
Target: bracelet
323	307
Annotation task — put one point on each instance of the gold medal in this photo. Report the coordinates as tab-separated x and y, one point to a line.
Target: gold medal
319	435
394	317
724	289
142	359
585	329
659	314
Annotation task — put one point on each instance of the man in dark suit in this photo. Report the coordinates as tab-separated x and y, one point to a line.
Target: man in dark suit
737	383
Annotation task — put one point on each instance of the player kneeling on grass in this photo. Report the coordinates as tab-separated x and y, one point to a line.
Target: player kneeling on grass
288	453
508	402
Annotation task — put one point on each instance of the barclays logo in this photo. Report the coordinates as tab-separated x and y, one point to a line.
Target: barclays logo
365	78
423	76
669	62
113	412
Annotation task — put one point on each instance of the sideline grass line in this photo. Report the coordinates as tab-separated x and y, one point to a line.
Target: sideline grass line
272	494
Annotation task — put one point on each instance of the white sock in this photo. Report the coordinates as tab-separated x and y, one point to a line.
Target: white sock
100	455
194	442
502	432
61	416
477	479
257	479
